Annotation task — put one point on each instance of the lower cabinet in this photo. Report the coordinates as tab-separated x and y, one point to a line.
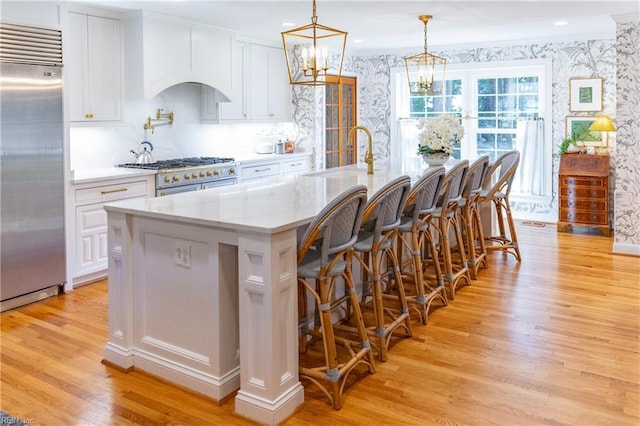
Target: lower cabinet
90	260
259	169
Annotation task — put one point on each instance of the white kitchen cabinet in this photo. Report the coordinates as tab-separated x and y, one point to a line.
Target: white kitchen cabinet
256	171
261	85
296	166
90	249
274	165
93	68
162	51
269	93
236	109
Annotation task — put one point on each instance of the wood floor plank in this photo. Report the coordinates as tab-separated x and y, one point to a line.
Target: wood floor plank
552	340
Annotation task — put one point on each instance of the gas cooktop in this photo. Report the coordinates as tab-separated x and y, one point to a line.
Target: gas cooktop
178	163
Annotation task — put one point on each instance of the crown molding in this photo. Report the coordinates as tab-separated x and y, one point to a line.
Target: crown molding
626	17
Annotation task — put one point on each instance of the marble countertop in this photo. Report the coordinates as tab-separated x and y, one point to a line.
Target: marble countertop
267	206
108	173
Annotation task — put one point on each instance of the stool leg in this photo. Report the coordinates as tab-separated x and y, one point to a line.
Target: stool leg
440	289
445	252
359	320
404	306
481	250
512	230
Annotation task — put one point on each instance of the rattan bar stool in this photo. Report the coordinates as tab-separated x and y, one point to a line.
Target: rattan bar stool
496	188
470	214
325	253
376	253
454	270
415	235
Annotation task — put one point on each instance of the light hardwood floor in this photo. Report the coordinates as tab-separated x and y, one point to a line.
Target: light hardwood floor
553	340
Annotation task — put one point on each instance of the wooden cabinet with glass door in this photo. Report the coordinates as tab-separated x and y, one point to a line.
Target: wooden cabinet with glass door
340	112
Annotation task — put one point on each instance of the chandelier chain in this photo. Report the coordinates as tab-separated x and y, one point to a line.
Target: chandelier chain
425	36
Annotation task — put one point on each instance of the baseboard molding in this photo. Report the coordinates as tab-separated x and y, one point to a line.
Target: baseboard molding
621	248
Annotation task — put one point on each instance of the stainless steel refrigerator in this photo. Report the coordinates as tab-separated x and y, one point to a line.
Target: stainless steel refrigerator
32	239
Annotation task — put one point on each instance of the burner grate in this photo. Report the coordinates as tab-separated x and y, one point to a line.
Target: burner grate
178	163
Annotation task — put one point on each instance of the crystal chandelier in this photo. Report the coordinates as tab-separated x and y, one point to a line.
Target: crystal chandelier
310	49
425	71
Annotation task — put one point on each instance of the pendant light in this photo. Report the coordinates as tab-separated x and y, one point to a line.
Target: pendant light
425	72
309	50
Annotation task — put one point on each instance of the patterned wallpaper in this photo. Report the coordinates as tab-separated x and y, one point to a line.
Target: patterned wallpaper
595	58
627	183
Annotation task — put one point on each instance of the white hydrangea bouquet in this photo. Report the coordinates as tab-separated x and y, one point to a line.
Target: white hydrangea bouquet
439	134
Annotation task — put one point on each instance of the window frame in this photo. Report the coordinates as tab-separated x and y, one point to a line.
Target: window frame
469	73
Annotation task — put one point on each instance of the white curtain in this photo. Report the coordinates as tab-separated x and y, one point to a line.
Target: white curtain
530	142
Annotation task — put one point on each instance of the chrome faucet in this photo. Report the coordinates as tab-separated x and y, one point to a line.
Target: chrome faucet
368	156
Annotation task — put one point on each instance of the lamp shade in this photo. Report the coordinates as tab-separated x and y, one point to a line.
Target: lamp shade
602	124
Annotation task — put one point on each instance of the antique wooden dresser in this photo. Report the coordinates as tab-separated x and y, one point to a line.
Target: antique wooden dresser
583	193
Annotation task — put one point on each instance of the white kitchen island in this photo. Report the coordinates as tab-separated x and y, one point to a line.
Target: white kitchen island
202	285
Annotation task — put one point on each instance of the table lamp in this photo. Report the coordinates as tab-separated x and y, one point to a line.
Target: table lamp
603	124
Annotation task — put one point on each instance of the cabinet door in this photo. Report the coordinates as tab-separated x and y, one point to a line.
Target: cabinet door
237	108
279	86
91	229
94	75
269	94
258	77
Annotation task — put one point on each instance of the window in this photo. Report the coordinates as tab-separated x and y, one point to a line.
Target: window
491	99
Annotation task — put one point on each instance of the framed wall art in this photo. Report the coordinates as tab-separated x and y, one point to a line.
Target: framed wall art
577	128
585	94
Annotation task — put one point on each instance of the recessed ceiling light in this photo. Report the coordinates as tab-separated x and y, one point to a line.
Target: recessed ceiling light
288	24
358	40
561	23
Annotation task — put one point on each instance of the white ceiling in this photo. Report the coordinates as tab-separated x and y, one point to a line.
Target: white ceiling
394	25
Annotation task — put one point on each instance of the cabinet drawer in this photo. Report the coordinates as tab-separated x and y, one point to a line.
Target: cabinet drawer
100	194
591	205
591	182
295	166
595	218
260	170
576	192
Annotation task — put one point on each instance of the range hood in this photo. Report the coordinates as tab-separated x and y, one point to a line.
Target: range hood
162	51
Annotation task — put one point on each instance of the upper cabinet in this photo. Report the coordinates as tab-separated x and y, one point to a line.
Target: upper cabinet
261	86
162	51
269	91
93	68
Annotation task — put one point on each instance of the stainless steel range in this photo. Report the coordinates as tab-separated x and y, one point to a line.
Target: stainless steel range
190	174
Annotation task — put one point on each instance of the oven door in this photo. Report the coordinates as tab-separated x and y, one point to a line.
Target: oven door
219	182
178	189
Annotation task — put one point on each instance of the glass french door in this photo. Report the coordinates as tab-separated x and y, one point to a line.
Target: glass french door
340	113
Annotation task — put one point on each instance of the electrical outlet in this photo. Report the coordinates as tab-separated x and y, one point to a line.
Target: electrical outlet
182	253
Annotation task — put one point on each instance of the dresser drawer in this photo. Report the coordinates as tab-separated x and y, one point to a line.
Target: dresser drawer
577	192
591	182
101	194
591	205
595	218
